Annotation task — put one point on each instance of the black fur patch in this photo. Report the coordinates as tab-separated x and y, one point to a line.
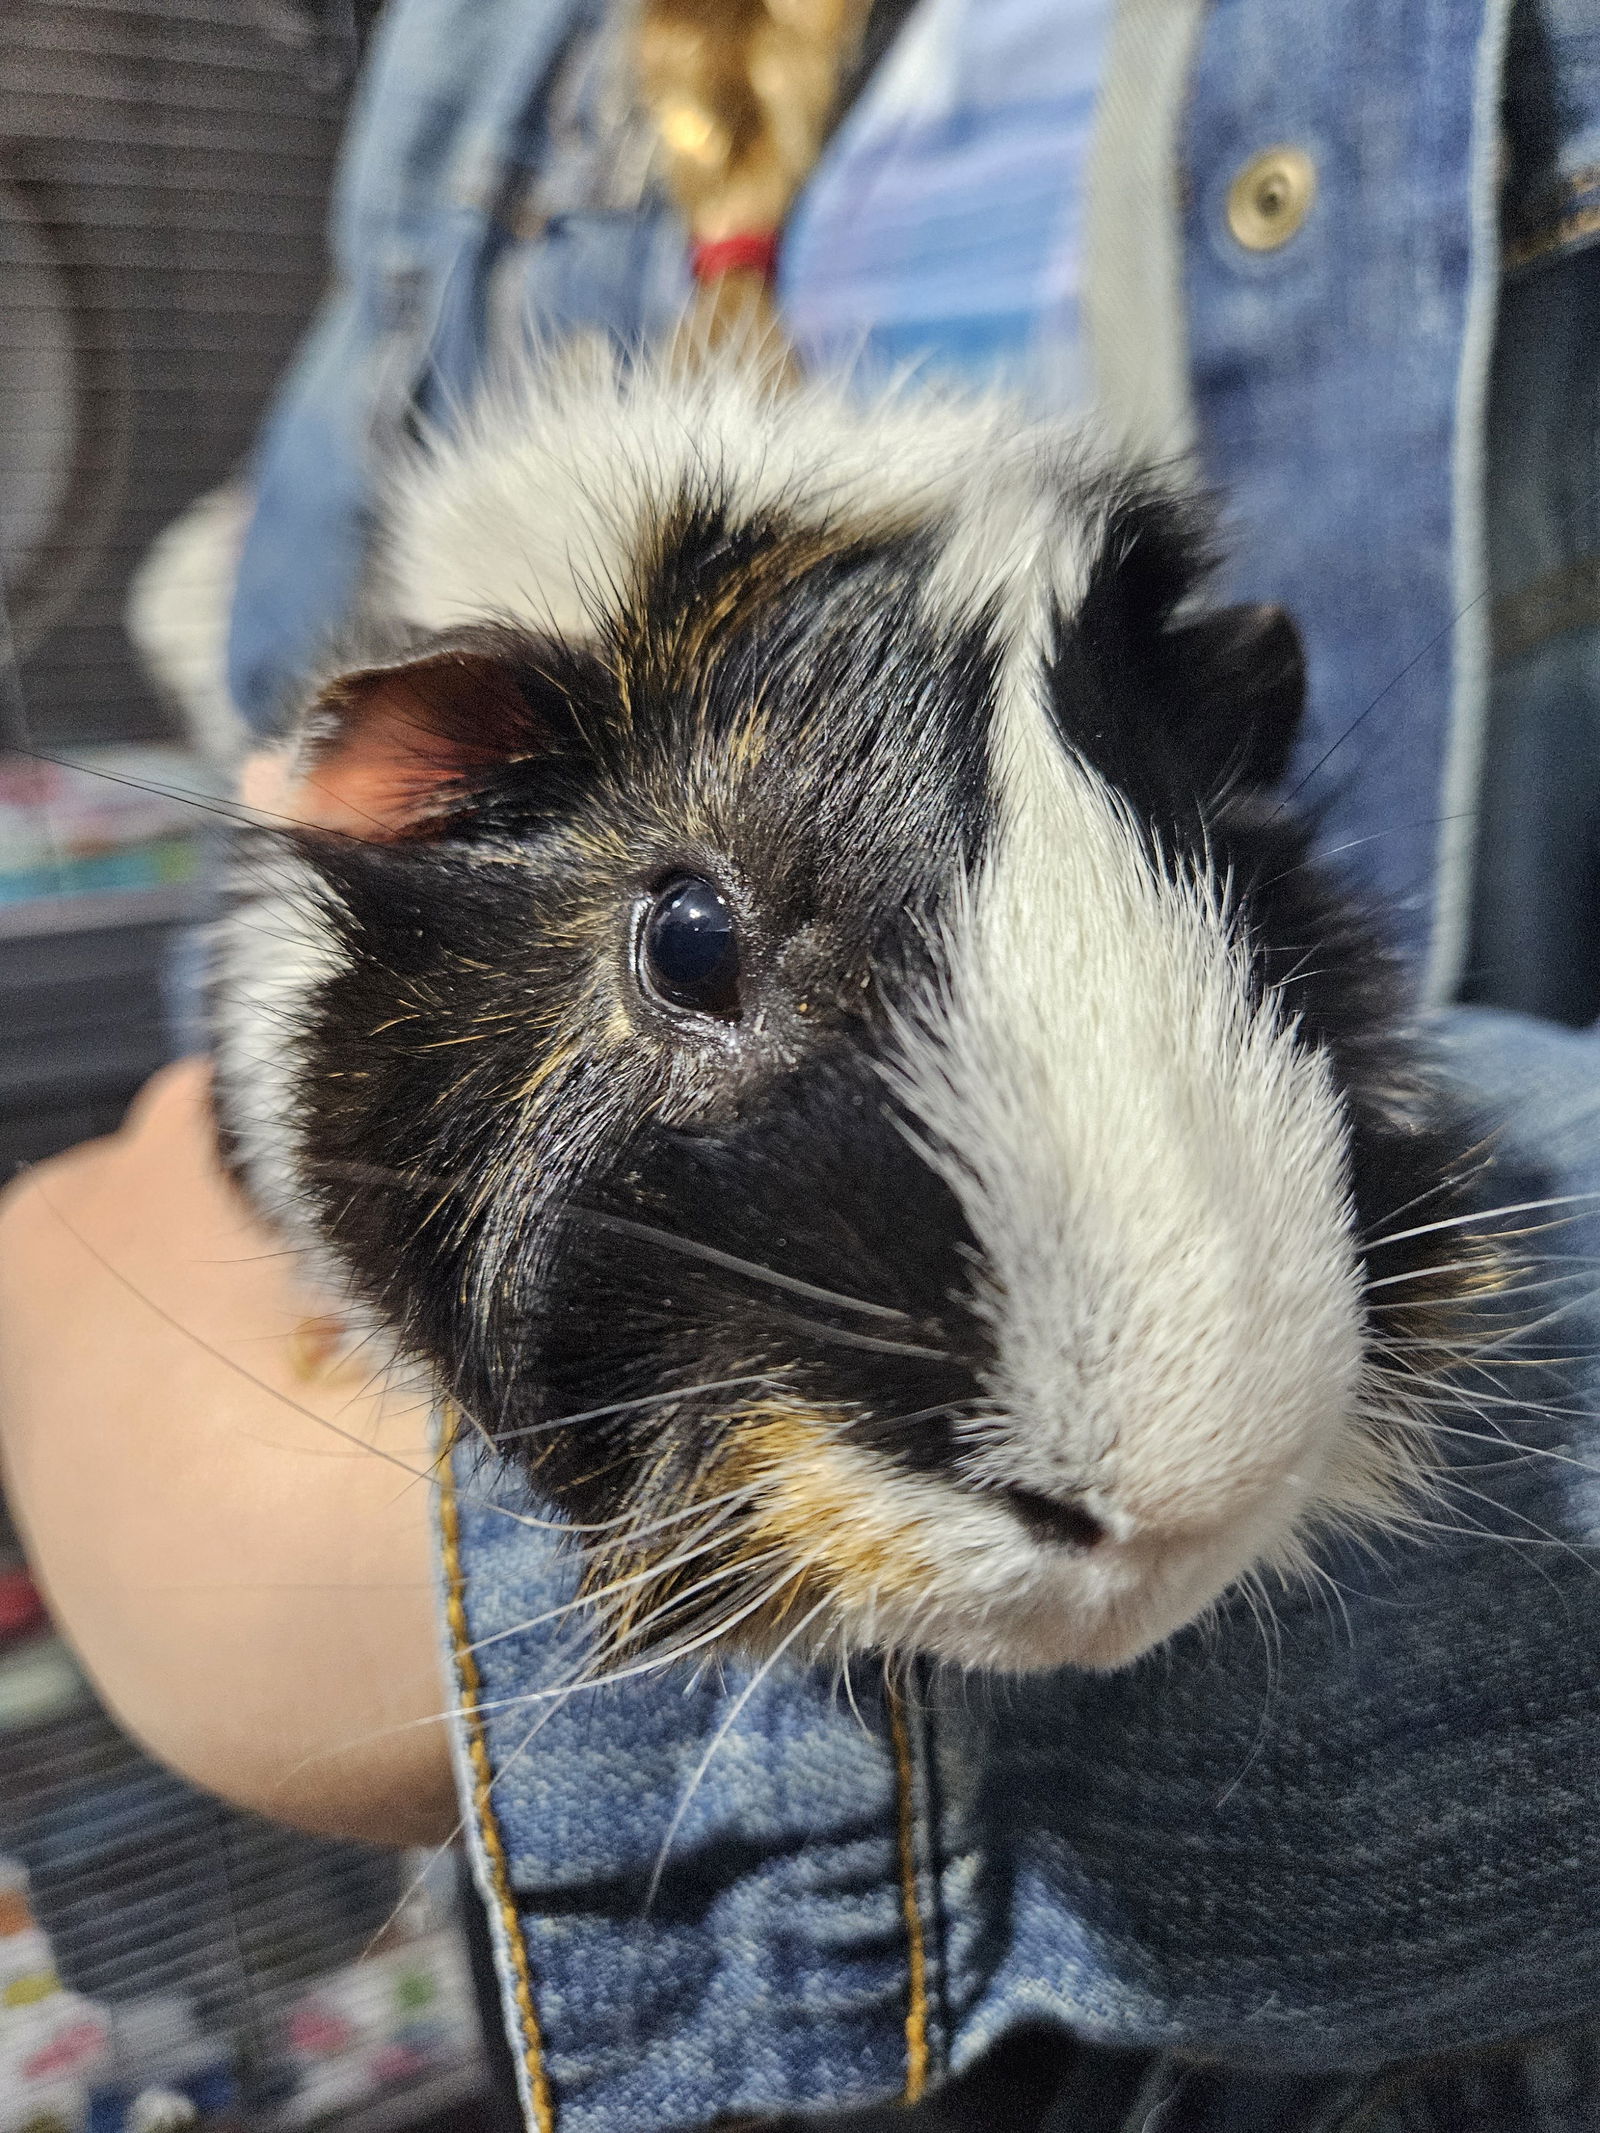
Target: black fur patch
772	710
1193	716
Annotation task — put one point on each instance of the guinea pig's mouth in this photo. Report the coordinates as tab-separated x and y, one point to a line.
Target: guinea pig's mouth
861	1554
1039	1584
1079	1578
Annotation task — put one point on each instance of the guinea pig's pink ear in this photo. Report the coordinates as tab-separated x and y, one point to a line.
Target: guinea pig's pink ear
384	750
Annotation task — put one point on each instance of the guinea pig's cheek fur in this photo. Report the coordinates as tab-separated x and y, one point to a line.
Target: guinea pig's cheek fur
816	1509
899	1561
821	1505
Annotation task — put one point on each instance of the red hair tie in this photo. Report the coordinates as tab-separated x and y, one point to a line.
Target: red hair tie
754	250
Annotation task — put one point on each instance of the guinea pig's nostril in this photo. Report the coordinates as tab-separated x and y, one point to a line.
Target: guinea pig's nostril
1055	1518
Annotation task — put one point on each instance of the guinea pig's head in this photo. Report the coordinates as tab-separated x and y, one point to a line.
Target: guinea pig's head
795	999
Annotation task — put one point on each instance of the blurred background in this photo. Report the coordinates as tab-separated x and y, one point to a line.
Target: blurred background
164	166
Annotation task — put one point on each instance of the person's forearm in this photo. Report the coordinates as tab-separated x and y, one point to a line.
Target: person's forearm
239	1549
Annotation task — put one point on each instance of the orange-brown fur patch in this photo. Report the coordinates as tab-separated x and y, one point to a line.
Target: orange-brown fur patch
815	1500
815	1529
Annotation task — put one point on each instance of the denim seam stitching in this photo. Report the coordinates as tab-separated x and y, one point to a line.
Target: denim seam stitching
911	1905
469	1686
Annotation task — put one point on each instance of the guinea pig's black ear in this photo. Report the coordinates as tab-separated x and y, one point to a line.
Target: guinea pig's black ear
1237	682
385	749
1223	687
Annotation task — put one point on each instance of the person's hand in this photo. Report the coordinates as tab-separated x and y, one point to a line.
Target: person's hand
229	1522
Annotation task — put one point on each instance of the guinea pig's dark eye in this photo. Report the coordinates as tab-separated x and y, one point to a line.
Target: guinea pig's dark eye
689	948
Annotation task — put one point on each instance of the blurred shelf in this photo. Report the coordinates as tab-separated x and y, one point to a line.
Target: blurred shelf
453	2100
181	903
84	989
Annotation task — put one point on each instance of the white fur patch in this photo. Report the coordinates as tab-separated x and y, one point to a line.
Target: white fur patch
536	510
961	1579
1155	1172
270	955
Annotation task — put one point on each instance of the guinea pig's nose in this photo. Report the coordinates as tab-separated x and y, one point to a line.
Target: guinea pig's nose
1055	1518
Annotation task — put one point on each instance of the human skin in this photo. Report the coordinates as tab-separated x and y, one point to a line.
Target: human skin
230	1521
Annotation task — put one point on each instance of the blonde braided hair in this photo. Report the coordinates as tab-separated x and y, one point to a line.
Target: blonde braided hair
742	94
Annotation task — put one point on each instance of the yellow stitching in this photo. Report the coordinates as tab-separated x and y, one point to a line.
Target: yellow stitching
916	1944
471	1682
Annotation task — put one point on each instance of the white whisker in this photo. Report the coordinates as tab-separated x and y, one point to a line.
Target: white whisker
645	1399
696	1547
717	1738
633	1633
1433	1273
1486	1214
692	1248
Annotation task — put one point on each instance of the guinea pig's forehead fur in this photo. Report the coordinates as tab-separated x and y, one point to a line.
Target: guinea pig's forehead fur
540	503
786	684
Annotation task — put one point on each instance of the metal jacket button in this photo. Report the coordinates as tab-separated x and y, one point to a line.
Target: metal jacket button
1271	197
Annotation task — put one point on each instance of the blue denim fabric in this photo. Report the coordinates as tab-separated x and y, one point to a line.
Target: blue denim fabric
1536	930
1331	382
771	1964
1537	916
441	120
1552	130
1537	920
1364	1834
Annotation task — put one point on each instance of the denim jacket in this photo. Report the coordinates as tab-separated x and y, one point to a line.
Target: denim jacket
1296	1865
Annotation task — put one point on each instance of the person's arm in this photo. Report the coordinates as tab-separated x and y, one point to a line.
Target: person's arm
237	1544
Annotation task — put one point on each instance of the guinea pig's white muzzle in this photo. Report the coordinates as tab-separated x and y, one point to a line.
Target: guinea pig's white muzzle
1139	1458
1008	1577
1154	1170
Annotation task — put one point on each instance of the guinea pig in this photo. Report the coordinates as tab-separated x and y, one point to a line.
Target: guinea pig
795	997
